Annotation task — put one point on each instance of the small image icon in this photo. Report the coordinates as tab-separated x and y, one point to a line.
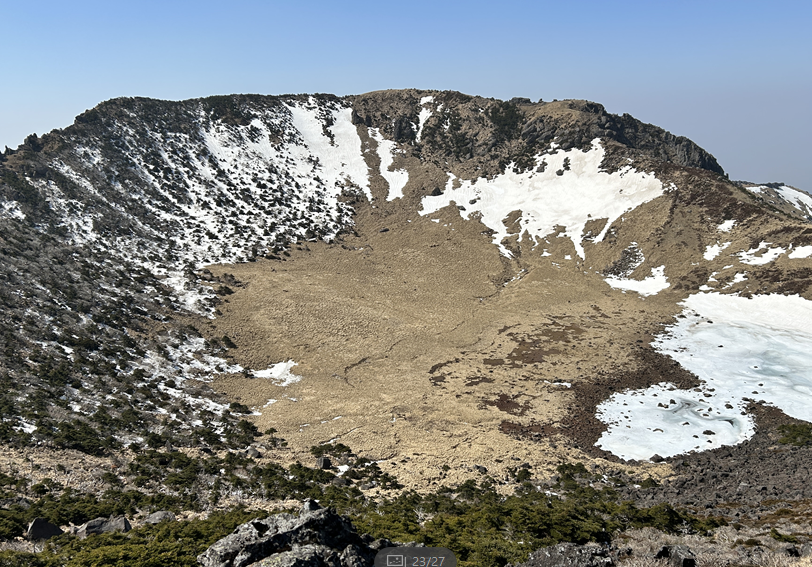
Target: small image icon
395	561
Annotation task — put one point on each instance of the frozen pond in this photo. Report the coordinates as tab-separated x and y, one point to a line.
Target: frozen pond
741	349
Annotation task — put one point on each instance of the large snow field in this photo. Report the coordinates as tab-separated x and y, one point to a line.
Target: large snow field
741	349
341	157
583	192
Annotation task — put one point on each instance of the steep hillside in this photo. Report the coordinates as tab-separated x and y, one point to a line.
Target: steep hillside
453	286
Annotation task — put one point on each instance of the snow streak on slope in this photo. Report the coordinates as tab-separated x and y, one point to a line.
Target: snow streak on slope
802	201
567	188
339	155
396	179
425	114
751	256
758	348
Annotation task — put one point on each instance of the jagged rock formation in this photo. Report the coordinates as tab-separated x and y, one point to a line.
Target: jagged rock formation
317	536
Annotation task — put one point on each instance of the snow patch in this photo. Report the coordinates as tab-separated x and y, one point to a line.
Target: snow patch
713	250
11	209
800	200
770	254
280	373
651	285
397	178
726	226
741	349
801	252
581	193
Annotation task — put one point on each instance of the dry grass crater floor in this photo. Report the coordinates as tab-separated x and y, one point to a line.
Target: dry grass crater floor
421	346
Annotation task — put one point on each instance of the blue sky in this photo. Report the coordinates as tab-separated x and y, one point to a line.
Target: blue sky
736	77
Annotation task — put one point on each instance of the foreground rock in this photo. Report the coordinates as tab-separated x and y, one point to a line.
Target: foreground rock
317	536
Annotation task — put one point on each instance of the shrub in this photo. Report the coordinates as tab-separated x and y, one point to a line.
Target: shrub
799	434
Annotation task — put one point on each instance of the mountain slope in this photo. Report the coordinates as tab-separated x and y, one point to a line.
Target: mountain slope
428	277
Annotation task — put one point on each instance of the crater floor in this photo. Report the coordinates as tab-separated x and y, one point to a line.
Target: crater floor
423	345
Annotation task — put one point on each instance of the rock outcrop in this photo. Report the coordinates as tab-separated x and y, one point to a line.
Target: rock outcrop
40	529
158	517
103	525
317	536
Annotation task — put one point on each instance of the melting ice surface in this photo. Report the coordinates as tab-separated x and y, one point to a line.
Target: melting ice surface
756	349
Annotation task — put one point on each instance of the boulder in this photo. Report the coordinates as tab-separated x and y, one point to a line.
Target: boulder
40	529
104	525
316	536
677	555
158	517
570	555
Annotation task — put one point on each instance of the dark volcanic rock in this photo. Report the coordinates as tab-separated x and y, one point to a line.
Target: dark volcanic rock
40	528
677	556
316	537
104	525
569	555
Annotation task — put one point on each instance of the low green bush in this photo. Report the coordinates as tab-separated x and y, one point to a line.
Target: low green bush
799	434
